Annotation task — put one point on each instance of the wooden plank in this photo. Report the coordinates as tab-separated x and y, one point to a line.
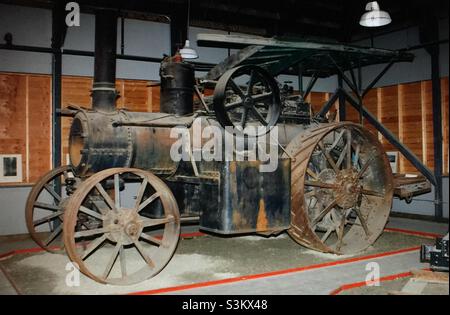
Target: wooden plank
39	120
317	100
410	122
12	116
427	124
388	109
445	121
371	103
136	96
155	99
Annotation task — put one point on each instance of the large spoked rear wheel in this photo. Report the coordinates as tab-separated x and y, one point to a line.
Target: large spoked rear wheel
341	188
119	244
44	209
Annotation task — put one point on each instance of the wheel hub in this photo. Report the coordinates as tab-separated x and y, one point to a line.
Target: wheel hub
248	102
348	189
126	226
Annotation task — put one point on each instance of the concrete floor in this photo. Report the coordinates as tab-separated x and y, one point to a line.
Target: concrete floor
230	260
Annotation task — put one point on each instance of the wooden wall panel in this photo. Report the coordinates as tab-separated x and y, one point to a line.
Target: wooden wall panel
410	122
25	117
445	120
389	113
427	125
13	122
317	100
135	96
155	98
371	104
39	126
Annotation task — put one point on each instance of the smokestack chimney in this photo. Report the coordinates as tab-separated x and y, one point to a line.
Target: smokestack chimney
104	92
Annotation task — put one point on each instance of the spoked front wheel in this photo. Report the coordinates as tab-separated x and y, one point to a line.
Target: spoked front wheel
119	244
44	209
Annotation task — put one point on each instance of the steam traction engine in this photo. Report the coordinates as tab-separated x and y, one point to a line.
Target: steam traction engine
120	202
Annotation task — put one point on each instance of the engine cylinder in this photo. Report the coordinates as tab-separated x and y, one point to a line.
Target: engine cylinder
177	88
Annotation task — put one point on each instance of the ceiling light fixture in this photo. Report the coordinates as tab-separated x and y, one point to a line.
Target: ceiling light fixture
187	52
374	17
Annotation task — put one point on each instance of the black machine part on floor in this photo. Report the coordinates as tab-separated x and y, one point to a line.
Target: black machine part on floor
436	255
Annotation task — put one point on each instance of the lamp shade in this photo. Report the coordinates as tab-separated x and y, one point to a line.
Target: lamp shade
374	17
187	52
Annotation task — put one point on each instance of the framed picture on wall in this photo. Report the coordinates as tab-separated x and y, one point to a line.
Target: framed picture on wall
393	160
10	168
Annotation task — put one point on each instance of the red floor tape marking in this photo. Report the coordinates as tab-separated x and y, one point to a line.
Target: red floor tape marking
349	286
273	273
410	232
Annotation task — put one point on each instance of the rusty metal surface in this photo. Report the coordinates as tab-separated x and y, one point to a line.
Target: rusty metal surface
121	225
407	187
342	187
247	200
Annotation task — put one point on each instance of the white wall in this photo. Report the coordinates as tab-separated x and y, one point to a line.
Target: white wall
419	69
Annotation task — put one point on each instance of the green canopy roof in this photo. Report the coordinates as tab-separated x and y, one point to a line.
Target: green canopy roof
287	56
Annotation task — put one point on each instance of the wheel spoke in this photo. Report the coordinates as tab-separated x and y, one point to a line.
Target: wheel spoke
105	196
259	116
327	234
328	157
341	157
364	168
349	149
155	222
320	184
47	218
53	235
362	220
117	191
336	141
312	173
93	245
86	233
372	193
143	254
233	105
340	233
92	213
52	192
148	201
46	206
112	260
251	82
237	89
141	192
151	239
262	96
123	262
324	212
